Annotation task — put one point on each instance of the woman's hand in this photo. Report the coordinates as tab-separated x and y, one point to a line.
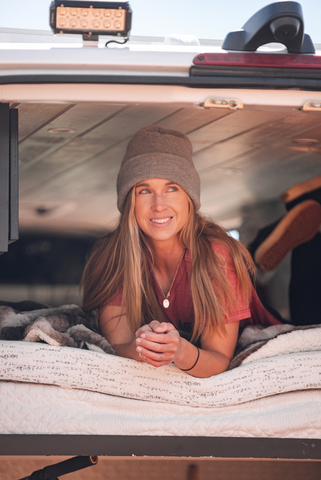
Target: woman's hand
146	328
158	343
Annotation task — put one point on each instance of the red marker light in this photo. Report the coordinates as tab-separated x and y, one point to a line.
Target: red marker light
267	60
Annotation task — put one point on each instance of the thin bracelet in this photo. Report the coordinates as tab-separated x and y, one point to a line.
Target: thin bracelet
188	369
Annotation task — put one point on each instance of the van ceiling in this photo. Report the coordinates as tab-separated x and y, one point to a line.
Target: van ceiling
244	158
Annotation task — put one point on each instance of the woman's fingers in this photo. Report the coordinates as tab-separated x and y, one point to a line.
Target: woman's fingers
160	346
150	327
163	333
142	330
156	364
154	325
159	357
162	353
164	327
156	346
158	338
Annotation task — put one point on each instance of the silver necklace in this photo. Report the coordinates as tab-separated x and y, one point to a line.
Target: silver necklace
166	301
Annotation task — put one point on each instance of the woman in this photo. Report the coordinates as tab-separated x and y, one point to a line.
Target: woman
167	273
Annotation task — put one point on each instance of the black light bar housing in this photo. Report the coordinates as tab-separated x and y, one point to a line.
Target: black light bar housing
280	22
92	8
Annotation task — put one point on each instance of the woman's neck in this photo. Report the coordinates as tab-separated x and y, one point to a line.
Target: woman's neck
167	256
166	265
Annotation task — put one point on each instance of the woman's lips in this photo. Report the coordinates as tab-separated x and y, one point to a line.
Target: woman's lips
160	222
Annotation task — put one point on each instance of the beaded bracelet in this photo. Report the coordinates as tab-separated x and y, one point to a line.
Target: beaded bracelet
188	369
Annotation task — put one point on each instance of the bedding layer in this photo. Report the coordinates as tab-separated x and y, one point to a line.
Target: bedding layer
270	372
40	409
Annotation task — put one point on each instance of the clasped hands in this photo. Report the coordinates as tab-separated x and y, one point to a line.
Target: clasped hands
158	343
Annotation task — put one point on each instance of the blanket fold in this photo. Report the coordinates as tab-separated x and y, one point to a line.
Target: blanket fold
70	326
67	325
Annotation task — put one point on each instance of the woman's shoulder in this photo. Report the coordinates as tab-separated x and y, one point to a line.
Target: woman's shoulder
221	251
116	300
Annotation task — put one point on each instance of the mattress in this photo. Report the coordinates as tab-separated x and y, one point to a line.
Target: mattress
42	409
275	392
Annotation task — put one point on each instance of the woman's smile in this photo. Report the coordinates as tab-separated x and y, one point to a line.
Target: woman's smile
161	221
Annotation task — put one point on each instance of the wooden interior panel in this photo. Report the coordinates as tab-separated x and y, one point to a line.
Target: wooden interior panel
278	133
89	185
124	125
55	170
237	123
33	116
280	175
222	154
244	157
77	150
92	140
187	120
80	119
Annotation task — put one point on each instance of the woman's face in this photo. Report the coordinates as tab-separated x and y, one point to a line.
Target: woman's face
161	208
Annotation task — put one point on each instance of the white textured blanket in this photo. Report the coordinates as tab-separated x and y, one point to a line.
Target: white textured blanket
290	362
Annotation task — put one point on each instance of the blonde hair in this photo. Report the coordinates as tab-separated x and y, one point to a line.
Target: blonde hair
123	259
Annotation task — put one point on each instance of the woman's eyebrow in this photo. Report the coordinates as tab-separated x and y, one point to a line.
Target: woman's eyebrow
142	185
147	184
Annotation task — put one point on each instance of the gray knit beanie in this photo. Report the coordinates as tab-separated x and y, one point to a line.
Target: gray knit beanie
156	152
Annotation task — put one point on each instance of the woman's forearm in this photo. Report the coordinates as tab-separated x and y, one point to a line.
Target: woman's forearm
127	350
209	363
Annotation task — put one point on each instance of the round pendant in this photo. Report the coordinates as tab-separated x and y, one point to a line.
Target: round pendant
166	303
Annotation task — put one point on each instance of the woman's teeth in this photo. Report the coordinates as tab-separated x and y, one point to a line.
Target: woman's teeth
160	220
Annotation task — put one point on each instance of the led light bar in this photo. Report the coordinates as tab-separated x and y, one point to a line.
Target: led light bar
267	60
90	18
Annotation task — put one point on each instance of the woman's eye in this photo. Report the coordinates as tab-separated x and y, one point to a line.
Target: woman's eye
144	190
173	189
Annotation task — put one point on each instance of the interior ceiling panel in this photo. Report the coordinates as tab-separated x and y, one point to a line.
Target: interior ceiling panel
68	177
71	124
311	131
237	123
127	122
78	150
191	119
33	116
99	174
256	144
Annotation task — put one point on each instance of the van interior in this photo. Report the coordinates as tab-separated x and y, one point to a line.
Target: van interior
69	157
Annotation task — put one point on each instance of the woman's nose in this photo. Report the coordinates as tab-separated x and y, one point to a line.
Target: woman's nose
159	203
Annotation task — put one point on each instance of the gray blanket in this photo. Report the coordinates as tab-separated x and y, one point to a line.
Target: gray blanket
69	326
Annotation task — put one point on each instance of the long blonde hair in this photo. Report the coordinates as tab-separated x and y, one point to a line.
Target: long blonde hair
123	259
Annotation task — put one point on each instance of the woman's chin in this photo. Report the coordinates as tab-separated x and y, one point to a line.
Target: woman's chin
161	235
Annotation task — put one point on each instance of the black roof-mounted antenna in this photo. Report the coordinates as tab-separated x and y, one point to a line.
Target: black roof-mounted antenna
280	22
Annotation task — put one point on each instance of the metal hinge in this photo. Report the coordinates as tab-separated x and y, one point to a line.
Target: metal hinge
312	106
230	103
